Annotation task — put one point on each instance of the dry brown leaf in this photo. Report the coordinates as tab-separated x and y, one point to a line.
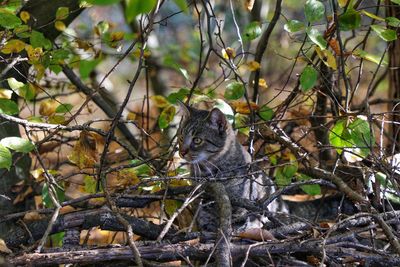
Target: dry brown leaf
248	4
84	154
242	107
32	216
21	197
257	234
4	248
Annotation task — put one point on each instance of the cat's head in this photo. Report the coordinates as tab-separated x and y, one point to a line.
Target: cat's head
202	134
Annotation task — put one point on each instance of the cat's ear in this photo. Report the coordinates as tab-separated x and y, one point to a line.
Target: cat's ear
184	109
218	119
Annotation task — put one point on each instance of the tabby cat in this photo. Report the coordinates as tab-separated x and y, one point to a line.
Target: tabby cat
208	143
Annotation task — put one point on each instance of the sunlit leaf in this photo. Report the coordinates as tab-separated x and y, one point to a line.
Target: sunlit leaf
385	34
314	10
370	57
308	78
243	107
316	37
166	116
14	84
5	93
350	20
5	158
392	21
294	26
372	16
234	90
18	144
228	53
252	31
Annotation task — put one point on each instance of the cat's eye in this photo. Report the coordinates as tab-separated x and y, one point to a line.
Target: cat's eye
197	141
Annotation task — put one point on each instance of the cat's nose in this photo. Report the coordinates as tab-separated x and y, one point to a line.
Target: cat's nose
183	152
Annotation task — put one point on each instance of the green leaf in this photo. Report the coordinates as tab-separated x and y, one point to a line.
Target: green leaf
60	195
370	57
280	179
89	184
64	108
311	189
396	1
314	10
350	20
14	84
37	39
18	144
86	66
8	107
171	206
55	68
22	31
5	158
57	239
27	92
336	136
355	138
294	26
234	90
136	7
252	31
385	34
8	20
142	169
180	95
182	5
62	13
316	37
102	2
166	116
392	21
308	78
266	113
290	169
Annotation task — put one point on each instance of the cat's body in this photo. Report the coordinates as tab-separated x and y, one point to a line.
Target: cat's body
208	142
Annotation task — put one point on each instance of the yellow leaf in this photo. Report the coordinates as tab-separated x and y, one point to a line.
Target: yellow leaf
5	93
242	107
131	116
48	107
57	119
342	3
171	206
24	16
34	54
180	182
82	44
253	65
228	53
126	177
373	16
60	26
13	46
262	83
327	57
84	154
137	52
160	101
40	69
117	36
